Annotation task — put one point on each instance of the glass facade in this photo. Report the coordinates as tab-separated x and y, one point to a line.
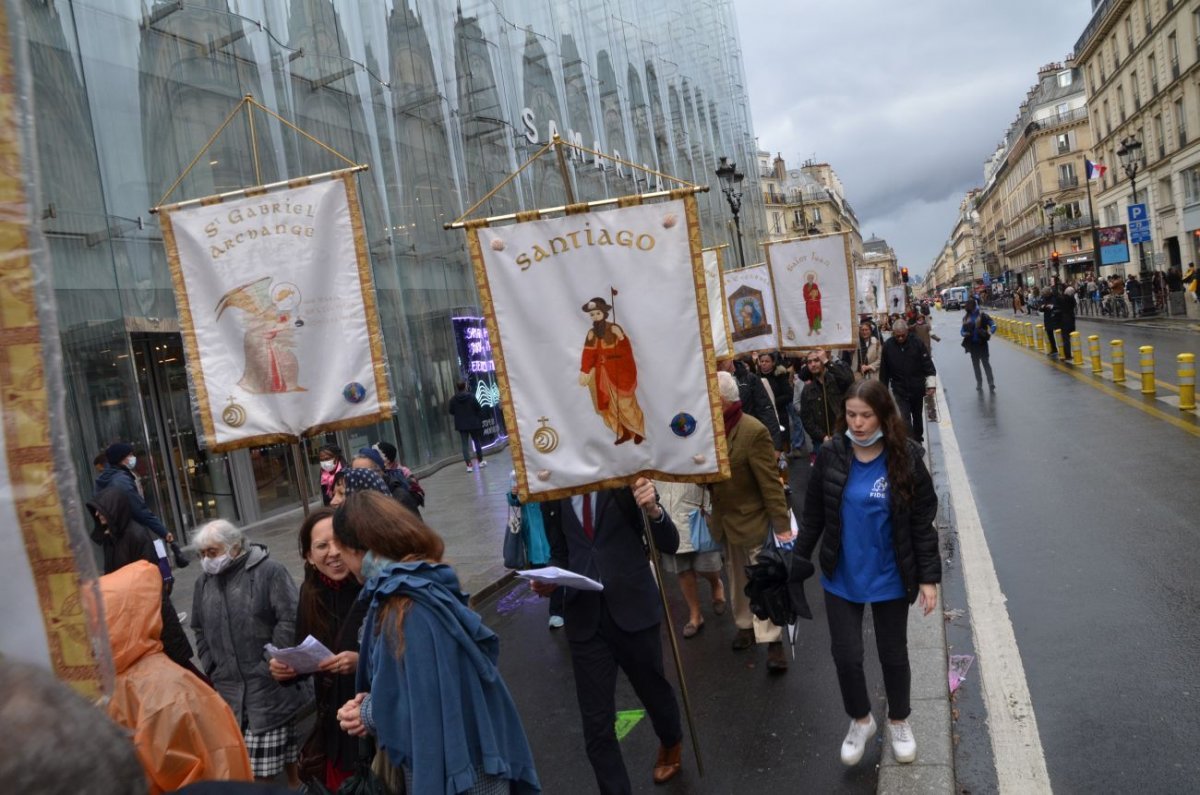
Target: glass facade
442	99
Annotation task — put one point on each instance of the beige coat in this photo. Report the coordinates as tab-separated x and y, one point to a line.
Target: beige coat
744	505
872	360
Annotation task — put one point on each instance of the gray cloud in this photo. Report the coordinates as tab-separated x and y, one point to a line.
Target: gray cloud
905	100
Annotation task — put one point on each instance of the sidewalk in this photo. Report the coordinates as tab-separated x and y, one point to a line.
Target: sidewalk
468	510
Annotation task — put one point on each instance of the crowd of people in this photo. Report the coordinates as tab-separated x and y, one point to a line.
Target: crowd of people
408	693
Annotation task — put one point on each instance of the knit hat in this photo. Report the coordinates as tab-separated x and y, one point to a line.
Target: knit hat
118	452
387	449
373	454
365	480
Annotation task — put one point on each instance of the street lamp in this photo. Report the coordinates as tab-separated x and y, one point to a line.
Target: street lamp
1049	208
1130	154
731	186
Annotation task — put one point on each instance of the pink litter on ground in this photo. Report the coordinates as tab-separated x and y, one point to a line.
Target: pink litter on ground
959	665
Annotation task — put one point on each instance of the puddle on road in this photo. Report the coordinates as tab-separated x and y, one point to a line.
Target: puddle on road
515	599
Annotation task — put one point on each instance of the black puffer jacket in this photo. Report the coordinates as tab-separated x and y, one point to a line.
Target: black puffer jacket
914	537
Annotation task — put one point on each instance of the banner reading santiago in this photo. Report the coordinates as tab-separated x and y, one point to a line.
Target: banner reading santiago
277	311
717	313
750	300
814	291
603	347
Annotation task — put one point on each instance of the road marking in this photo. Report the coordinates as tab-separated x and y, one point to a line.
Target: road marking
626	720
1016	745
1132	384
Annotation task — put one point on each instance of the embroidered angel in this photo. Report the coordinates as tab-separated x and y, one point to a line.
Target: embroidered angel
269	335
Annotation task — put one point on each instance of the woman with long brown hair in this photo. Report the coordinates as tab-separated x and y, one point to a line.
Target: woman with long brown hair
328	610
428	686
871	504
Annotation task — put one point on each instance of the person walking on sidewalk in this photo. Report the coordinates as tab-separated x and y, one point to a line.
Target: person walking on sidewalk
746	509
120	472
907	368
821	400
619	627
468	421
1066	320
977	328
871	504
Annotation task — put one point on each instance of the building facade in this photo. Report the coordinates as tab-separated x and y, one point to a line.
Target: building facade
441	99
804	201
1141	62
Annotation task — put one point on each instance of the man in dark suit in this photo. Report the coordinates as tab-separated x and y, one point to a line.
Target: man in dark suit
599	535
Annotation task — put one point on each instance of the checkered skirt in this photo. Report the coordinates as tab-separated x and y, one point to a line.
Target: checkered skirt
271	750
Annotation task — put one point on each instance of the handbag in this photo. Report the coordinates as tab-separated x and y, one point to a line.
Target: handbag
364	781
514	546
312	757
702	540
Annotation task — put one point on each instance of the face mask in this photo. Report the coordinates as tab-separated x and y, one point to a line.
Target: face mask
870	440
328	465
131	462
214	565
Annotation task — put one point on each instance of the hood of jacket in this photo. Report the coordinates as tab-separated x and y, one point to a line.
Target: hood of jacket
113	502
133	612
111	473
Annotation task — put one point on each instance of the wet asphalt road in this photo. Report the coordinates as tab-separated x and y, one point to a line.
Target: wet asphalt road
756	731
1087	506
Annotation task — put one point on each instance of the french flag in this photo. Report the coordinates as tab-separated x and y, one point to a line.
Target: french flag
1094	170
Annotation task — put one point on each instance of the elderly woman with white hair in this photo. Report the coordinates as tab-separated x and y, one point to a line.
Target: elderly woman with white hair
243	601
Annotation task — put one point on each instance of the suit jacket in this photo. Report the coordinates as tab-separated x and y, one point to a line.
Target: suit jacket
615	557
743	505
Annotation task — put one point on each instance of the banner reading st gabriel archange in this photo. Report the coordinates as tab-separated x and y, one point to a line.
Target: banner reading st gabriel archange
278	316
603	347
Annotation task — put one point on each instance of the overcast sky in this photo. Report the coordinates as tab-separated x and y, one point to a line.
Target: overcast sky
904	100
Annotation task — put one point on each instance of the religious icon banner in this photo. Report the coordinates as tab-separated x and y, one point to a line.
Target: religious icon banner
897	300
717	312
603	348
814	291
869	294
750	301
277	312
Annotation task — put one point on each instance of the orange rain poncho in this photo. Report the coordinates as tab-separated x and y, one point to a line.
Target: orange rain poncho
182	730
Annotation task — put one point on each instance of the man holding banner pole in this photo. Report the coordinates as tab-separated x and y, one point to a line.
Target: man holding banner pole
599	535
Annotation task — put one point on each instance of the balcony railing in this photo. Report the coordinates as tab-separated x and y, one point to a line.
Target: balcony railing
1068	182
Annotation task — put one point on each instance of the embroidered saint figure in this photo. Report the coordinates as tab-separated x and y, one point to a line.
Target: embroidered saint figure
269	335
609	372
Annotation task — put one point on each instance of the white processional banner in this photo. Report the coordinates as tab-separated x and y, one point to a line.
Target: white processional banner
750	300
603	348
814	291
869	291
277	312
897	300
718	314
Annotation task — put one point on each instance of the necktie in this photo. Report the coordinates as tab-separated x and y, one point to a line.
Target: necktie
588	530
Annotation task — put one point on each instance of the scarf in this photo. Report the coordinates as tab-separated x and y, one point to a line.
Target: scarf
732	413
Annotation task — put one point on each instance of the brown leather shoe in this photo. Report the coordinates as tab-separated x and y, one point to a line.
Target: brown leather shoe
776	660
743	640
669	763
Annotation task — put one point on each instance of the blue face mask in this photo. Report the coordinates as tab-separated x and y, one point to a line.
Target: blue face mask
870	440
372	565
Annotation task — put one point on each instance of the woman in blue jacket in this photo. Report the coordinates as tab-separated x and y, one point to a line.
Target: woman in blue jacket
428	686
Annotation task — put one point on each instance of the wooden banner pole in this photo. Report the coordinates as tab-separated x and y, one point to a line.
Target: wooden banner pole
301	476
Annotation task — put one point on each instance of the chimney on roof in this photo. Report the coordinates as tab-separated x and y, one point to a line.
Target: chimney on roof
780	167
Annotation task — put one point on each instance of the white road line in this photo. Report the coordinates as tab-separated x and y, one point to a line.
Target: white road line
1016	745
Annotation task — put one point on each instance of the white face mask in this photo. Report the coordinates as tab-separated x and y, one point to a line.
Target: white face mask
870	440
215	565
328	465
131	462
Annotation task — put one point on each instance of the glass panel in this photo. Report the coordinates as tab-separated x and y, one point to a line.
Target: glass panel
274	478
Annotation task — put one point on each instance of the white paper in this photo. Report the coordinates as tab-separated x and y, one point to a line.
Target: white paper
303	658
562	577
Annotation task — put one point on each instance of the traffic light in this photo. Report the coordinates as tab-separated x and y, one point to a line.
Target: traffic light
904	274
1054	259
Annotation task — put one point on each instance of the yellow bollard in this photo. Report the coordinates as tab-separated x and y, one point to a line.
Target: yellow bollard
1147	367
1094	352
1058	341
1076	349
1118	360
1039	334
1187	381
1029	334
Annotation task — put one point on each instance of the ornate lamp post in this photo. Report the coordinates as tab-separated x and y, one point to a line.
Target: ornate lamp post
1049	208
1130	154
731	186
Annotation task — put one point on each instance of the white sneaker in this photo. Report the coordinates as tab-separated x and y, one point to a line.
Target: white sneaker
482	463
856	740
904	745
469	468
556	622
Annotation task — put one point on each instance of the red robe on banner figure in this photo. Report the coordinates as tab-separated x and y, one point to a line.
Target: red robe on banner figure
609	372
812	303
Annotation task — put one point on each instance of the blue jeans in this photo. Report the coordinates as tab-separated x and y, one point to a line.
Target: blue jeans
797	428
